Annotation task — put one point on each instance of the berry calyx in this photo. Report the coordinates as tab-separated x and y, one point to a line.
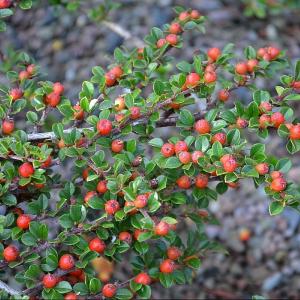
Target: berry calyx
135	112
119	104
102	187
89	195
219	137
104	127
66	262
141	201
162	228
167	150
109	290
23	221
117	146
10	253
97	245
180	146
278	184
192	80
214	54
262	168
184	157
143	278
125	237
184	182
196	155
16	94
202	126
295	132
201	181
173	253
49	281
26	170
241	68
229	163
175	28
160	43
8	126
58	88
277	119
172	39
223	95
112	206
167	266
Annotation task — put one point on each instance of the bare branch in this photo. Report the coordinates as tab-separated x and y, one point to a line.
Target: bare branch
8	289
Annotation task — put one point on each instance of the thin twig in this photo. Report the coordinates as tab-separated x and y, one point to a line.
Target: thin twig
8	289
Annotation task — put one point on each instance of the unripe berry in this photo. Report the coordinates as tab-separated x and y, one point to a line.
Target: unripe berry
262	168
180	146
79	113
143	278
70	296
192	80
214	53
110	79
8	126
219	137
24	75
61	144
195	14
172	39
160	43
109	290
5	4
89	195
210	77
10	253
23	221
104	127
196	155
125	237
58	88
16	94
173	253
141	201
119	104
175	28
223	95
201	181
97	245
102	187
241	68
278	184
295	132
52	99
162	228
265	106
184	182
277	119
49	281
229	163
167	266
241	123
117	71
183	16
184	157
117	146
264	121
251	65
202	126
66	262
135	112
26	170
276	174
111	207
47	162
167	150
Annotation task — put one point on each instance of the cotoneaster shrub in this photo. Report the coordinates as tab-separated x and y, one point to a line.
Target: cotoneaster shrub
131	190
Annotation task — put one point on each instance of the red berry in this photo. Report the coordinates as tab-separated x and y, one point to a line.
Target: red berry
219	137
109	290
119	117
5	4
244	235
58	88
278	184
196	155
201	181
47	162
8	126
172	39
261	52
52	99
167	150
117	71
162	228
23	221
184	182
202	126
295	132
10	253
97	245
229	163
110	79
24	75
143	278
117	146
267	57
135	112
104	127
210	77
173	253
223	95
26	170
66	262
70	296
214	53
251	65
89	195
137	233
195	14
31	69
265	106
119	104
273	52
241	68
277	119
183	16
276	174
184	157
296	85
79	113
102	187
264	121
262	168
49	281
167	266
16	94
160	43
125	237
175	28
192	80
141	201
181	146
111	207
241	123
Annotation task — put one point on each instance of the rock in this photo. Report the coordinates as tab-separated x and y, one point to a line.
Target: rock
272	282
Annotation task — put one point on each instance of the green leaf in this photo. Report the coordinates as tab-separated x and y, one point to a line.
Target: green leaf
123	294
158	87
5	13
95	285
194	263
275	208
172	163
25	4
283	165
297	71
156	142
186	117
28	239
292	97
63	287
